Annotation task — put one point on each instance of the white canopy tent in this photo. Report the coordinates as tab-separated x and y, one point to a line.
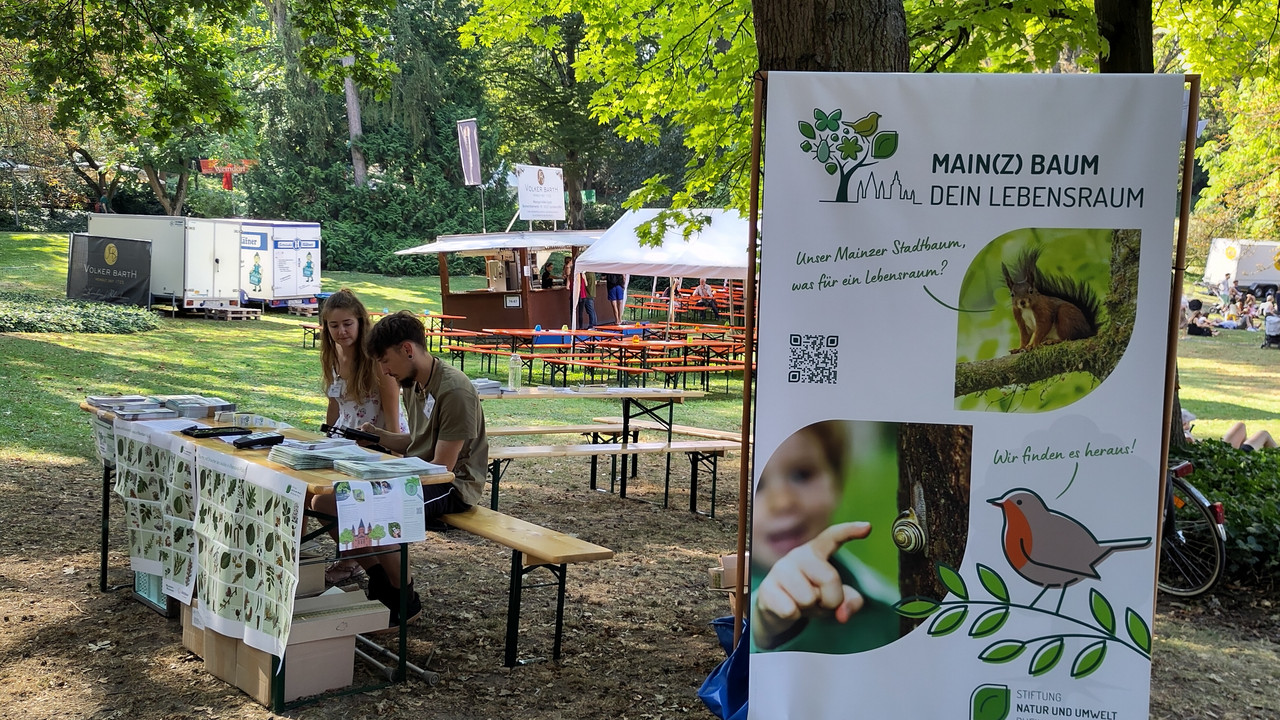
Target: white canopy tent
717	250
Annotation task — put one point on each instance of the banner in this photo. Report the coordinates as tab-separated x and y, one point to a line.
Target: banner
215	166
469	149
540	191
963	321
110	270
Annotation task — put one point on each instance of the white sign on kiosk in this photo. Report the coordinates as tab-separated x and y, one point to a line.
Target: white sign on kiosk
540	191
963	322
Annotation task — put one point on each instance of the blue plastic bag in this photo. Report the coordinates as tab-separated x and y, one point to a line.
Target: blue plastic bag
725	690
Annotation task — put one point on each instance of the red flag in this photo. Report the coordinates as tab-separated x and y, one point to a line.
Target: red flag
226	181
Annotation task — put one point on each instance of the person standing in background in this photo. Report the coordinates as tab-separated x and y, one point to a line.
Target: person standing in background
586	300
617	294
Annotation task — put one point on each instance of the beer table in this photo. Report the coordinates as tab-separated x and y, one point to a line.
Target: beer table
318	482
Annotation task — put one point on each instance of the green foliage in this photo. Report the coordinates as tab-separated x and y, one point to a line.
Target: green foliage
1243	196
1248	485
100	59
1018	37
27	312
414	192
345	39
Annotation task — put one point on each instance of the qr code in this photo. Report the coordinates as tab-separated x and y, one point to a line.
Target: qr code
813	359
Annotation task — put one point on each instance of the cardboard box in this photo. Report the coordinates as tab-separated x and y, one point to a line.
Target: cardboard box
310	574
220	654
321	651
192	636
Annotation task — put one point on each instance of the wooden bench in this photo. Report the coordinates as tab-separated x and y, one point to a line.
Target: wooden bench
532	547
701	454
673	375
489	352
690	430
310	331
623	372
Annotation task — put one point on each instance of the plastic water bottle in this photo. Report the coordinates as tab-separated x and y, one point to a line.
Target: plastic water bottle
513	372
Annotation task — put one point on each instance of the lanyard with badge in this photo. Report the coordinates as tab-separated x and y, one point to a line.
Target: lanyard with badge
427	406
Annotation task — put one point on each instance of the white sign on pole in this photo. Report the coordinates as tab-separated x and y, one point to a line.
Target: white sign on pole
964	308
540	191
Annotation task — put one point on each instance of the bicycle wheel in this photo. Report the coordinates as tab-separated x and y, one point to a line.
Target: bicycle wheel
1193	550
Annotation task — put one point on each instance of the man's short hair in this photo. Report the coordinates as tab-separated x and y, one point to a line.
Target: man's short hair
393	330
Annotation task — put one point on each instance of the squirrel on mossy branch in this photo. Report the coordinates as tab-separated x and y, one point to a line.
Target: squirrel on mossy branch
1048	308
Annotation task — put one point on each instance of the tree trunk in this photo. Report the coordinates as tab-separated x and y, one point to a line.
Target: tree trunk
355	126
831	35
573	187
934	464
1126	26
157	180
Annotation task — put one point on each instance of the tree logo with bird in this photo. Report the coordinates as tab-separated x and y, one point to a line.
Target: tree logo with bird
843	148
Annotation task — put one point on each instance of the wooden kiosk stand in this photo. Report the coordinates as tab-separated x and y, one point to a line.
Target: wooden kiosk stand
514	297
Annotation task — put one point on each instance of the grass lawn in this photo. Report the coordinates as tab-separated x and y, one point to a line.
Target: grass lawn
260	365
1229	378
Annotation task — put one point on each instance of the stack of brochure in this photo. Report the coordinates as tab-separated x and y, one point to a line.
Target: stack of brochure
111	402
303	458
389	468
485	385
194	406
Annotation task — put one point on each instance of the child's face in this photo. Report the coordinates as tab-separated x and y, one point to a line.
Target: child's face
797	493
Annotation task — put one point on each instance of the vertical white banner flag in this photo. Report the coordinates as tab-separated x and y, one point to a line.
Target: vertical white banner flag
963	319
469	149
540	191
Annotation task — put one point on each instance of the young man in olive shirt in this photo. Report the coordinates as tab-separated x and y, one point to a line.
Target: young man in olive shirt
446	427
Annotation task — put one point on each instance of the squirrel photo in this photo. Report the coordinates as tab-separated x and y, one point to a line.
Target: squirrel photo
1048	309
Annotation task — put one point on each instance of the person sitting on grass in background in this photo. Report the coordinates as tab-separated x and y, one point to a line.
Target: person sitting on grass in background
1236	436
814	596
358	392
1198	323
1249	313
446	427
1239	438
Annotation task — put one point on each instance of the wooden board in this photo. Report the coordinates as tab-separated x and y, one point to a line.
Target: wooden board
542	544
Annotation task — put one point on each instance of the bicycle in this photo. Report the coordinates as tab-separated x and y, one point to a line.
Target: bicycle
1193	542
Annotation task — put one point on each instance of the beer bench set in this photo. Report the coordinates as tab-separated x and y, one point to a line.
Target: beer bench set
606	438
532	547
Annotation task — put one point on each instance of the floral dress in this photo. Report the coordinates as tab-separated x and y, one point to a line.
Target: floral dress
353	414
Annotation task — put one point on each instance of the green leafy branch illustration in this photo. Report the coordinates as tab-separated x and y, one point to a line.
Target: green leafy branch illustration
1047	650
844	147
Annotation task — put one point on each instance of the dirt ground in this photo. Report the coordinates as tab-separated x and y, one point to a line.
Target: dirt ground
637	641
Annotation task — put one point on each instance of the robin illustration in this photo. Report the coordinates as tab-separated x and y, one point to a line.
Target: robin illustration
1051	549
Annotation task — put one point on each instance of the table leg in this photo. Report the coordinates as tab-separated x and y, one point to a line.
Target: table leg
106	526
513	608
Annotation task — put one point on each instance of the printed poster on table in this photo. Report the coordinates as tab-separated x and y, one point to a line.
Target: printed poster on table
964	311
379	512
249	525
154	479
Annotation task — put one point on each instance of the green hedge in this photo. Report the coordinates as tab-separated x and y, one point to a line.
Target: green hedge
1248	486
26	312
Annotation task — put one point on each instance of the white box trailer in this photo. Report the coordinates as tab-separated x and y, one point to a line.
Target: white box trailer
195	262
1254	264
279	261
209	262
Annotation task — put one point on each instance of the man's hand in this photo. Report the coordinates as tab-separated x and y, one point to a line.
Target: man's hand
804	584
370	428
